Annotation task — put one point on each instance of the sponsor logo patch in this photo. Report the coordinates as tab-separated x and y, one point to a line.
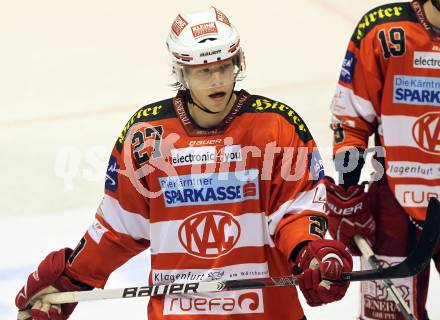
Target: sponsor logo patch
348	67
416	90
237	271
209	234
190	275
406	169
416	195
204	29
375	17
426	60
426	132
376	302
178	25
220	303
205	155
204	142
111	177
210	188
210	53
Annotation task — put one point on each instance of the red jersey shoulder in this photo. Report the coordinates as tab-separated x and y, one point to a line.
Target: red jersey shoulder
155	111
263	105
393	12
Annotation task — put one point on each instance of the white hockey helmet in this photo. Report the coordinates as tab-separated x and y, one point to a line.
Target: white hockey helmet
202	38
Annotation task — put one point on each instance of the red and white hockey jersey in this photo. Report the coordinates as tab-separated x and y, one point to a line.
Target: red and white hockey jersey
390	84
221	204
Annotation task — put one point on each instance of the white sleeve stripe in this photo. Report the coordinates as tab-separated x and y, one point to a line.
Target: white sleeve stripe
309	200
124	221
346	103
392	133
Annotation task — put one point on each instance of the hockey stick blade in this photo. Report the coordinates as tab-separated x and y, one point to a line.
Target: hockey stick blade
419	257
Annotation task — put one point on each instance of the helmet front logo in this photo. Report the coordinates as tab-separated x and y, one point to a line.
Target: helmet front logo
204	29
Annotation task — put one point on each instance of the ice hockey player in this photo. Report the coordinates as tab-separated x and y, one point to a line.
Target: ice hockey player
220	184
389	86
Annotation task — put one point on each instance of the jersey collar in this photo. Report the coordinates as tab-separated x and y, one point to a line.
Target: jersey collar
192	129
420	13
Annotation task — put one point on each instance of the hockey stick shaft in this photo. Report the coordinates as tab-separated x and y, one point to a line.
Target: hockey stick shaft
413	264
166	289
369	256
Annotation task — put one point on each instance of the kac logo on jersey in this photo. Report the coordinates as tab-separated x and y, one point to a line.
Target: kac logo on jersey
417	90
426	132
348	66
209	234
96	231
111	177
316	166
210	188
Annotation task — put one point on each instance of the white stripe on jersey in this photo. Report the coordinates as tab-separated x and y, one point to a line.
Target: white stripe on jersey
309	200
346	103
124	221
397	131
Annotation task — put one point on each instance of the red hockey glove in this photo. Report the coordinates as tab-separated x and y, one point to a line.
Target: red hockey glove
47	278
320	262
348	214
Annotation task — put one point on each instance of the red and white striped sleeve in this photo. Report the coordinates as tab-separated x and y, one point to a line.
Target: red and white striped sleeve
356	104
297	194
121	228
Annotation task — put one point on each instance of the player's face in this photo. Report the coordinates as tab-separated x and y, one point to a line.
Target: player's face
212	85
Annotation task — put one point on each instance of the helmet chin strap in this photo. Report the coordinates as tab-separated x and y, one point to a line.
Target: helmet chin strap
436	4
203	108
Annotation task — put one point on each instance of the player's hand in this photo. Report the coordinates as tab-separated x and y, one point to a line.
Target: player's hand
320	265
348	214
48	278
